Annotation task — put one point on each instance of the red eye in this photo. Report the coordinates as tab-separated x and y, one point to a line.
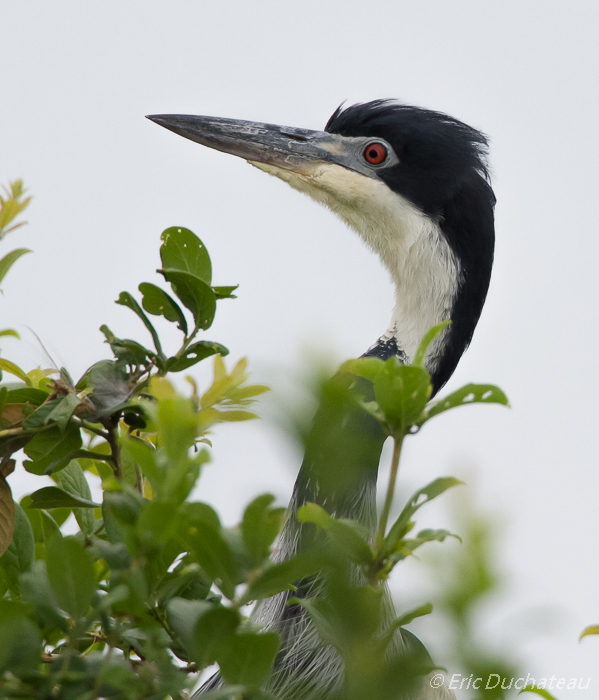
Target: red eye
375	153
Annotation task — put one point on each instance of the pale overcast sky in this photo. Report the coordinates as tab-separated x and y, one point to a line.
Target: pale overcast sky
77	80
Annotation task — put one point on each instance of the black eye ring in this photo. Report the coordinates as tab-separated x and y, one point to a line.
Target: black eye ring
376	153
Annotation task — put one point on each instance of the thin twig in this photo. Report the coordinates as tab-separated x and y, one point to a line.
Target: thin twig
397	443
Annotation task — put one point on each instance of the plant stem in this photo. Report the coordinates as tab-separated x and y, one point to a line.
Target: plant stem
397	443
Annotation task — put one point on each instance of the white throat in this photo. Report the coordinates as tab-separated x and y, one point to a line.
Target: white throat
410	244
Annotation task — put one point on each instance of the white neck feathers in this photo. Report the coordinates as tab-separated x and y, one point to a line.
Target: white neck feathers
410	245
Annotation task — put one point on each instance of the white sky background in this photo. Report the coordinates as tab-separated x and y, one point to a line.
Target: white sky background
77	80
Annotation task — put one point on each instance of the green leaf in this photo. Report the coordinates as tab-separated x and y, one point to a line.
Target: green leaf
248	658
194	354
283	576
406	618
260	525
225	292
402	392
215	556
9	332
27	394
348	535
54	497
20	647
11	368
213	631
36	591
57	411
424	495
402	621
125	299
20	554
183	615
196	295
51	447
468	394
128	351
8	260
592	629
73	481
183	250
157	302
539	691
426	341
71	575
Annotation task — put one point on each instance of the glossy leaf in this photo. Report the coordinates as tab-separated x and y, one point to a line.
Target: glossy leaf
183	250
468	394
157	302
195	294
125	299
52	448
73	481
26	394
54	497
71	575
194	354
225	292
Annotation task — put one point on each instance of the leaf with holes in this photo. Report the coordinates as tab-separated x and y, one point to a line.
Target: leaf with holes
468	394
183	250
195	294
195	353
158	303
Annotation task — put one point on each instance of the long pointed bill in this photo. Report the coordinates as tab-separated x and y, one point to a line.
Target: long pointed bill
286	147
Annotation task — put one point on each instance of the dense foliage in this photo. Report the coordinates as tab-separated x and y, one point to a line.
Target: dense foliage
152	588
